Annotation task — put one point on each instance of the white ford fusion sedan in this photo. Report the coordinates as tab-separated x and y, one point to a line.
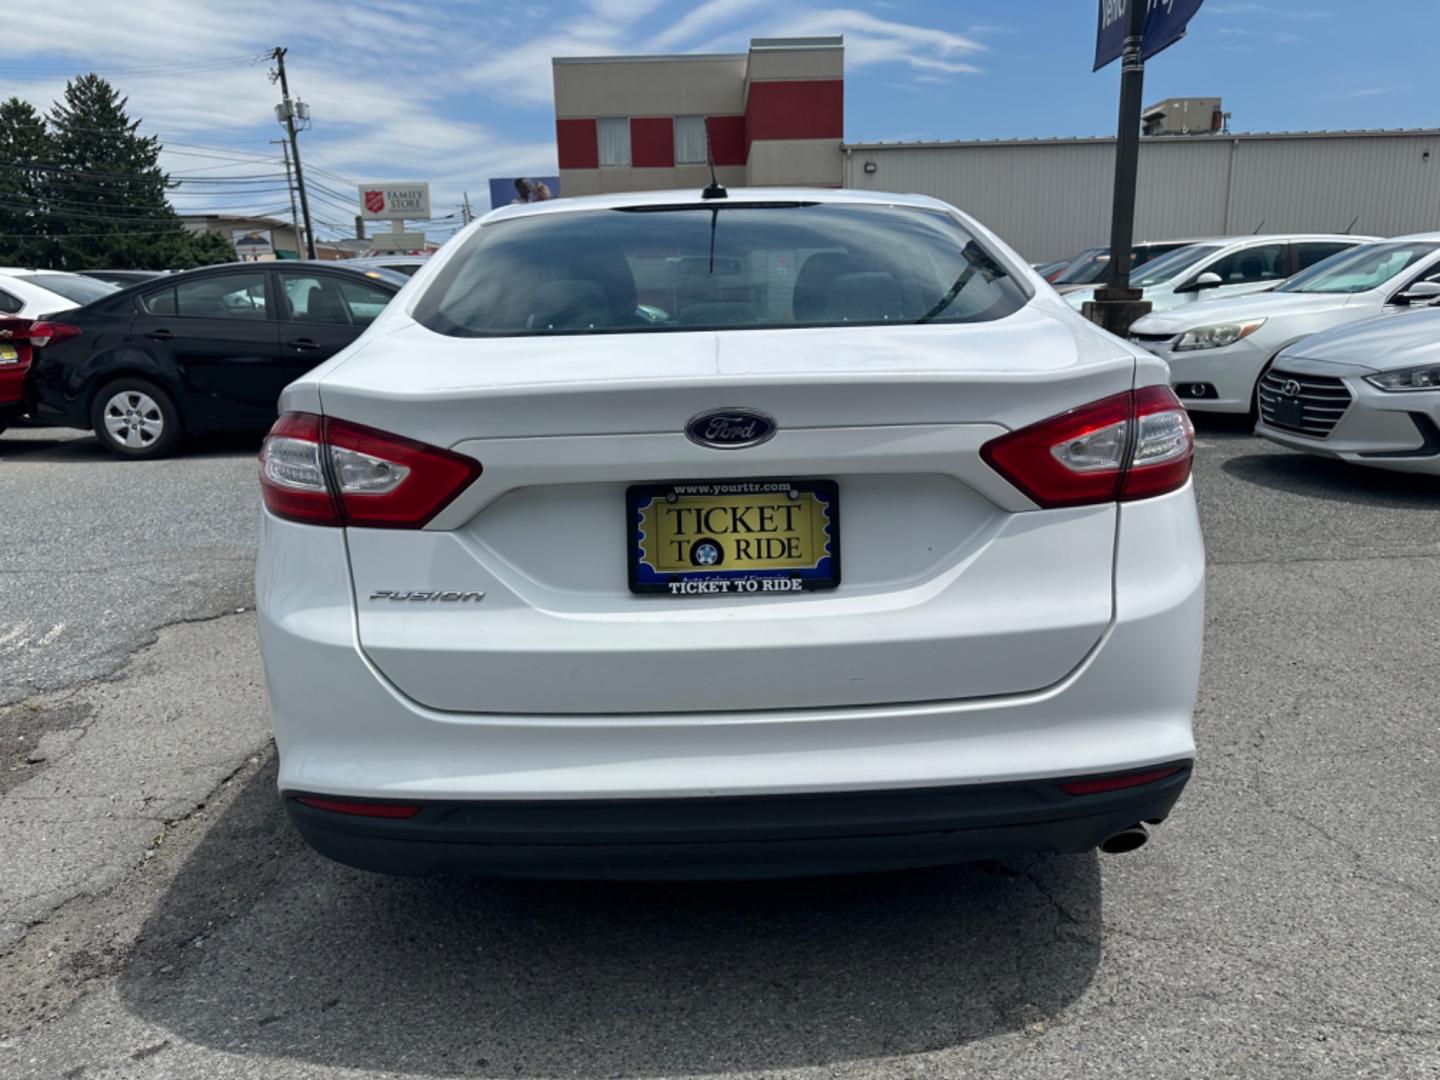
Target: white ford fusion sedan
788	532
1367	393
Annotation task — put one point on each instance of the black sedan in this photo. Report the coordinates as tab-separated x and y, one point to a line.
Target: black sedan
206	350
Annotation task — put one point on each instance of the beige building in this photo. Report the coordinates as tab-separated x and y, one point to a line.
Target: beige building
774	115
284	241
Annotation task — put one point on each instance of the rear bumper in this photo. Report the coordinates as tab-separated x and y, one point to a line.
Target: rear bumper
754	836
786	790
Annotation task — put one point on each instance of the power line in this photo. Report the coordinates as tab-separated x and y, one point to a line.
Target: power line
156	69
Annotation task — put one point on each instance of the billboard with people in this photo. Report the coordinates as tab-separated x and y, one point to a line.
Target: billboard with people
511	190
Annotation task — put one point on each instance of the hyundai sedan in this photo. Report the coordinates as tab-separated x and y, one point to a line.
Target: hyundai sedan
659	535
1368	394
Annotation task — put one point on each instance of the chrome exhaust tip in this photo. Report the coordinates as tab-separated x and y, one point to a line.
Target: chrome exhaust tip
1131	839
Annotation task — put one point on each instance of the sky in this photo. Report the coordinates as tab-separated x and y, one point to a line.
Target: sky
458	91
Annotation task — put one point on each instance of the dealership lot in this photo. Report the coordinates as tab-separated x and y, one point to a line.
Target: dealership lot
1284	921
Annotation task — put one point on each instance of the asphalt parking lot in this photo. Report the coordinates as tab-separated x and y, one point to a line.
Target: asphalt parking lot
158	917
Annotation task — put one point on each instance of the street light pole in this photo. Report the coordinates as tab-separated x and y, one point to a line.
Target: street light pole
1116	305
286	112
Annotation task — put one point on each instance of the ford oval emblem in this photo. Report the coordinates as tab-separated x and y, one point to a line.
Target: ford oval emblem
730	429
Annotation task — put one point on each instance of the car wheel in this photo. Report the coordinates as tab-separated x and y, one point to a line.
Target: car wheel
134	418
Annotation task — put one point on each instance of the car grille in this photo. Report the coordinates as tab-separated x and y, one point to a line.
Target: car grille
1150	339
1323	401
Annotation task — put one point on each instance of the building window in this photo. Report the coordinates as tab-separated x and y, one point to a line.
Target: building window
614	134
690	140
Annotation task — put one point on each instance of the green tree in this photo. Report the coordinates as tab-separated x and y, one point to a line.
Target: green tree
25	151
108	192
83	189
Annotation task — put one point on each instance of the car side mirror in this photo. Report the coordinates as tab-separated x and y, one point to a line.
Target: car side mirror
1422	292
1208	280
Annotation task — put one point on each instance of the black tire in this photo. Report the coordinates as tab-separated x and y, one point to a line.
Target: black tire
135	418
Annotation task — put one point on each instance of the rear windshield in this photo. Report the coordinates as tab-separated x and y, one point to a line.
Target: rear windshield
82	290
725	267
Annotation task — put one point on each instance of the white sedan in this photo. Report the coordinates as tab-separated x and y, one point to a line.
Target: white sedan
664	535
1368	394
1218	351
30	294
1226	267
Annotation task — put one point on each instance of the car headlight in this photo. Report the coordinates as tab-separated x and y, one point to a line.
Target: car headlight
1415	378
1218	336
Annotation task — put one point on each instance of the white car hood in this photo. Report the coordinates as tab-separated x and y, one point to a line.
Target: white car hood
1381	344
1255	306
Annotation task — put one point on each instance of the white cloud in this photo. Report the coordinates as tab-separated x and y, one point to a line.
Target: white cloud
701	22
398	89
872	40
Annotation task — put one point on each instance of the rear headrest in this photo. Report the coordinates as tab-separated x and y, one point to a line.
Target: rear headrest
868	296
609	269
811	302
569	304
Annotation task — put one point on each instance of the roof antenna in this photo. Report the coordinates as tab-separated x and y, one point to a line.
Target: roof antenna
1351	225
715	190
1259	227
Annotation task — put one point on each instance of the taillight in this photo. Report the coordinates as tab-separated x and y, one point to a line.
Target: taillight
323	471
1130	446
44	333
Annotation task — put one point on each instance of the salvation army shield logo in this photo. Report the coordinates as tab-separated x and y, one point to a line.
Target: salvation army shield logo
374	201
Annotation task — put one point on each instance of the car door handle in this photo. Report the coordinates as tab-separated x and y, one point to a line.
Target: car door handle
304	344
161	335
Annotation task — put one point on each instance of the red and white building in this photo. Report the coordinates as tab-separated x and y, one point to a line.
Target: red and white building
772	116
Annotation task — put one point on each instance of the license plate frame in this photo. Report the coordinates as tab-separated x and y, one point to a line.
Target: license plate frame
816	517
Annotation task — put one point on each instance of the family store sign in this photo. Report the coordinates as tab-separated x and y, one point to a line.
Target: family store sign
395	202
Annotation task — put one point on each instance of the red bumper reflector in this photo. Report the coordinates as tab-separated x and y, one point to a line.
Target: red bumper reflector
1115	783
362	809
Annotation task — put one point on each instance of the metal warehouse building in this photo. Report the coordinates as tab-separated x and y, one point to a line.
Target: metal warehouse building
1050	198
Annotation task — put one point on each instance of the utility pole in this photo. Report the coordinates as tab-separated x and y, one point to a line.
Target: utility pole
286	112
1116	306
290	187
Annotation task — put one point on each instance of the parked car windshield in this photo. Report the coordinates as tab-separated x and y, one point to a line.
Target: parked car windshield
733	267
1169	267
1090	270
82	290
1359	269
1078	265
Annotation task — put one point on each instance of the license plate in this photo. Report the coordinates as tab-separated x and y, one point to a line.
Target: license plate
1289	412
734	537
9	354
